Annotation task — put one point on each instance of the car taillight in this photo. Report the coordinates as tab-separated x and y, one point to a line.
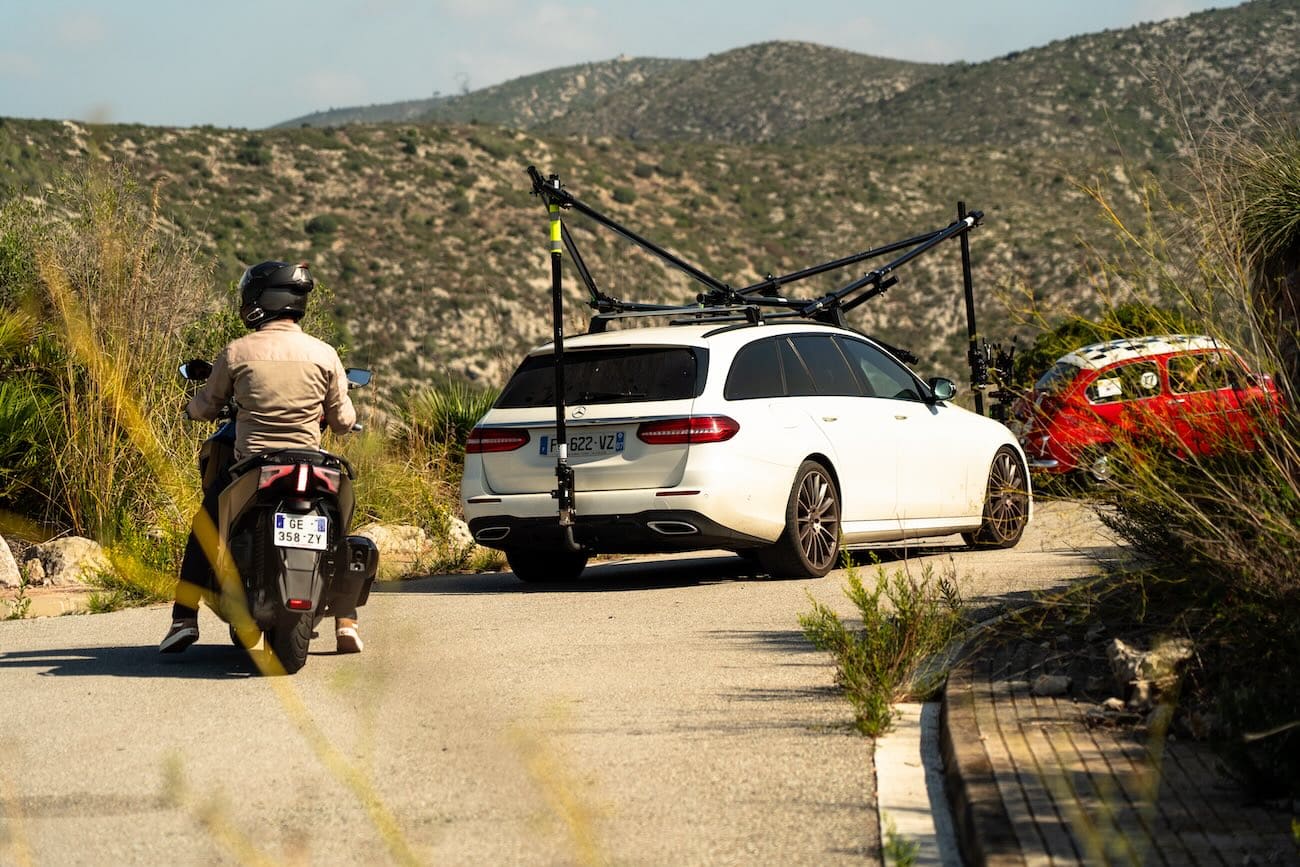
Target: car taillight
693	429
487	439
271	474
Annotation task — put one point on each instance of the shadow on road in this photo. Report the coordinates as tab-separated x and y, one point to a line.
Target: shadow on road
690	571
598	577
200	662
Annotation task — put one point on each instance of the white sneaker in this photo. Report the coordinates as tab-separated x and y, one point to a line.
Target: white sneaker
348	641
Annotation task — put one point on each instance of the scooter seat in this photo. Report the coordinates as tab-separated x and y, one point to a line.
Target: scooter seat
314	457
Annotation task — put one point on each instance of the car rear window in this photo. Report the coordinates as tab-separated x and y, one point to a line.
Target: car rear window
829	368
755	373
616	375
1058	379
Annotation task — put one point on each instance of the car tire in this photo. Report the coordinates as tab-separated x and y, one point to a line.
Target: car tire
809	547
1006	503
534	566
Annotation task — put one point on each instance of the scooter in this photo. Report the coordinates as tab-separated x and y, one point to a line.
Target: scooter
282	524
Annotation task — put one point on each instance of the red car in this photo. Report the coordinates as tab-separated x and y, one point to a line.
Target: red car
1188	392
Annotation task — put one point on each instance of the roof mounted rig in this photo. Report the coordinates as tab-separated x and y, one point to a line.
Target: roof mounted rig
721	302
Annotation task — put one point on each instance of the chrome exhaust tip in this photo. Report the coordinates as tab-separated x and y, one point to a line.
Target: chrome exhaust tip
491	534
672	528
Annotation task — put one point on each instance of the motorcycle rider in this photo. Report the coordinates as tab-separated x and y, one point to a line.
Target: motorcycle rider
284	382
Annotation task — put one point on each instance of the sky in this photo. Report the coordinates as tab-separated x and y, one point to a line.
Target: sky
255	63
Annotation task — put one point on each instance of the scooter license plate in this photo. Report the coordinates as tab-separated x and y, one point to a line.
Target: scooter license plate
301	531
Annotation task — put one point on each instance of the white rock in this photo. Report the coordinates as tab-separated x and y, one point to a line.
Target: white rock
402	547
71	560
458	535
9	574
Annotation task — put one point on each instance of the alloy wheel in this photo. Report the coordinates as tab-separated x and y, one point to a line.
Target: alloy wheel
817	516
1008	503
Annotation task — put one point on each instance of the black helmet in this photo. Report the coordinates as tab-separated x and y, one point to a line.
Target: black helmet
274	290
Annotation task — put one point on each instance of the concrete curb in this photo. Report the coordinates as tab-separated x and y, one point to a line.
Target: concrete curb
984	831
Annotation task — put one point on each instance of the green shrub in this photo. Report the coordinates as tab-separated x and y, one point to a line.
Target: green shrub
1129	319
445	414
906	624
323	224
252	152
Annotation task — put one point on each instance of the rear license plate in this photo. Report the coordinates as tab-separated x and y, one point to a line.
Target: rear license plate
301	531
587	445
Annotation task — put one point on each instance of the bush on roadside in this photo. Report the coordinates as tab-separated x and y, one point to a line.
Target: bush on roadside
444	414
99	303
897	652
1229	525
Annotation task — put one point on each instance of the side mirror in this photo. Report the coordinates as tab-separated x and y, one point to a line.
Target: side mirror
942	389
357	377
196	370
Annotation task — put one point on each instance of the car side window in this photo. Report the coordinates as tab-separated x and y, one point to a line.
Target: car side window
881	375
1201	371
755	372
1133	381
830	370
798	381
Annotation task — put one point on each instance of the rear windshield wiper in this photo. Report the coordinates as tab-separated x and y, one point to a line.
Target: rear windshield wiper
594	396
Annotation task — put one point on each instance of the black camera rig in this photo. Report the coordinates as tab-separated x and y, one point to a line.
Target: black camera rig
761	301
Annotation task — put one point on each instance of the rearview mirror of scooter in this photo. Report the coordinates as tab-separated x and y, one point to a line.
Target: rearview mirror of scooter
357	377
196	370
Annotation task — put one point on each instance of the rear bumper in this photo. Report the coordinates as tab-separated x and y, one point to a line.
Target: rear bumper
658	531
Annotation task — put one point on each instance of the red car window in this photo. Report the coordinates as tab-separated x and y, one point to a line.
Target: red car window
1202	371
1134	381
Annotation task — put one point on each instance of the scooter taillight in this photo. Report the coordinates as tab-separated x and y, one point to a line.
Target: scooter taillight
329	479
271	474
299	604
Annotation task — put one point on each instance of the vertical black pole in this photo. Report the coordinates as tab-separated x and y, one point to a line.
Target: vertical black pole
563	472
977	372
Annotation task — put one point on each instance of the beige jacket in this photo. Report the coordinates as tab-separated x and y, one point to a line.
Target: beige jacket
283	381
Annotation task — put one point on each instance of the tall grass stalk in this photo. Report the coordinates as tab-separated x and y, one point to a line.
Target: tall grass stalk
112	291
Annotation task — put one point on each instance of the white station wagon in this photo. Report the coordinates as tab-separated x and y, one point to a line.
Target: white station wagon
780	442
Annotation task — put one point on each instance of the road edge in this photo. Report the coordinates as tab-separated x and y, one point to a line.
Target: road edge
983	827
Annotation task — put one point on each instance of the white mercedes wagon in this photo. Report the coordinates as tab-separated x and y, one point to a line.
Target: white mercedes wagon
782	442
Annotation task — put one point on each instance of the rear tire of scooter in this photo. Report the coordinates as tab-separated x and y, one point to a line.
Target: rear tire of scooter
289	640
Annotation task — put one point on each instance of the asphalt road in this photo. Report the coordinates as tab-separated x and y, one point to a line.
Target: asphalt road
660	711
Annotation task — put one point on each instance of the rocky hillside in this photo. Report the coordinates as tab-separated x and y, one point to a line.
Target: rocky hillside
761	93
436	252
519	103
1105	90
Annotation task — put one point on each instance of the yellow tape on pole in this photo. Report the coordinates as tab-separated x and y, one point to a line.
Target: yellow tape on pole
557	238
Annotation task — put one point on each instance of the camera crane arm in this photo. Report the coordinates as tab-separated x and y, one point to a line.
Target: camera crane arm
722	296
